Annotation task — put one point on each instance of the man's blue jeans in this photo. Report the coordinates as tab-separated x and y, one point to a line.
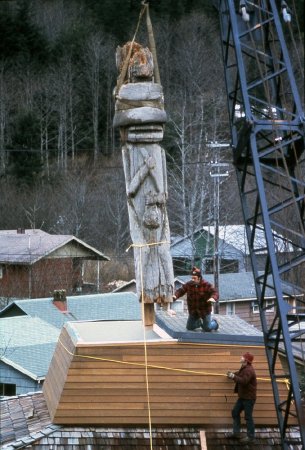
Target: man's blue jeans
207	323
247	406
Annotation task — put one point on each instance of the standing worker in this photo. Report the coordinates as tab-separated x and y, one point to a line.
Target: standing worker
245	387
200	297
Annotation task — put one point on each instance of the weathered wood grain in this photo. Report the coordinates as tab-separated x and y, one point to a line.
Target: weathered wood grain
139	103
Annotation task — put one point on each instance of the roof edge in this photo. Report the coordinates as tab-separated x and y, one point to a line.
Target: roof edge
21	369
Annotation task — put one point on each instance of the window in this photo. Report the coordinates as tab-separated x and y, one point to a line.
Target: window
269	305
183	266
230	308
7	389
229	266
209	266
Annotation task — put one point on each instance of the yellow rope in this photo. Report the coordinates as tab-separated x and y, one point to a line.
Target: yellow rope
153	366
145	353
146	245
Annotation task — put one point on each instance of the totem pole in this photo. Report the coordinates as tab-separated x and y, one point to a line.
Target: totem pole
140	115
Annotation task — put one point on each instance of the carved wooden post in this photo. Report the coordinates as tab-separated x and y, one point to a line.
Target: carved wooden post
140	115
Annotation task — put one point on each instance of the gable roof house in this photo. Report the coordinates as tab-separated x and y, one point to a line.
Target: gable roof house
26	347
34	263
199	249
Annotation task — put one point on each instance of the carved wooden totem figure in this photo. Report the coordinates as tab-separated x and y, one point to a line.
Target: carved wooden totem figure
139	112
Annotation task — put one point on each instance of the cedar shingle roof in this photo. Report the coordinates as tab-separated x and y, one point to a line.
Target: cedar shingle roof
25	423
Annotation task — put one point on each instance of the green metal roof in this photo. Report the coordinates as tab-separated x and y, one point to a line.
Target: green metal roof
27	344
119	306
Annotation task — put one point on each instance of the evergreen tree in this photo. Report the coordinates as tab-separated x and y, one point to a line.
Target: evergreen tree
19	37
25	163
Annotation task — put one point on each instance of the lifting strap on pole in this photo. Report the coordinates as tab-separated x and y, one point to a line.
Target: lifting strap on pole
152	47
152	44
123	72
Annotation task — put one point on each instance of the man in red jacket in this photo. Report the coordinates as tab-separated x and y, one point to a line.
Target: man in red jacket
200	295
245	387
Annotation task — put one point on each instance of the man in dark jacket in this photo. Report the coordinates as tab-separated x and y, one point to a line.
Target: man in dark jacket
245	387
200	295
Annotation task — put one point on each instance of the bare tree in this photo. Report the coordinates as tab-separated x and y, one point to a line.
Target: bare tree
97	58
4	99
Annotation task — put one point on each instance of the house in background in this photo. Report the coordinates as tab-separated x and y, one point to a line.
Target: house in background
26	348
29	331
199	250
34	263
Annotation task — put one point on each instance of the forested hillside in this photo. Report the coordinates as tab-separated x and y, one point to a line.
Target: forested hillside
60	159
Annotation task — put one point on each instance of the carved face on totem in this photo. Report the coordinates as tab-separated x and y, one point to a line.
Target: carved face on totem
140	65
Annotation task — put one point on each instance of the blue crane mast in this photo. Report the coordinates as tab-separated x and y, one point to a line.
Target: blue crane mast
267	132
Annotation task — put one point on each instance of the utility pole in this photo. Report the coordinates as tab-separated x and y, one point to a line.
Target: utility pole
216	174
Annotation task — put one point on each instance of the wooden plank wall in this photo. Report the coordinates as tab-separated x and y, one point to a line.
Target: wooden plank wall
189	386
58	371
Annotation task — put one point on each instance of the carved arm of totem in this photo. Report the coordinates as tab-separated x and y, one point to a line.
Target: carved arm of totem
140	176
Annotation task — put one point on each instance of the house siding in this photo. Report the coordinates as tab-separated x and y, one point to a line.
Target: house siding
24	384
244	310
14	282
41	279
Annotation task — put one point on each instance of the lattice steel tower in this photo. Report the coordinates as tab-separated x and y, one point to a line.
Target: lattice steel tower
267	131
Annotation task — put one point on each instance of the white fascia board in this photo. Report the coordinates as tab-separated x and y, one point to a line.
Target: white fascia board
21	369
248	299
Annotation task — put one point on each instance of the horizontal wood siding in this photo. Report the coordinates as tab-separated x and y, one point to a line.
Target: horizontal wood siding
188	384
244	311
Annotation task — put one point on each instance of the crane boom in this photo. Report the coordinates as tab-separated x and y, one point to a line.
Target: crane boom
267	132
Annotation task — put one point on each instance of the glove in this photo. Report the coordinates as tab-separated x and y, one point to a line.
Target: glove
230	375
211	300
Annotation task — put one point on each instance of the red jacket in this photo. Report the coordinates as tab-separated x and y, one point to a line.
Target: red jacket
197	295
245	380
